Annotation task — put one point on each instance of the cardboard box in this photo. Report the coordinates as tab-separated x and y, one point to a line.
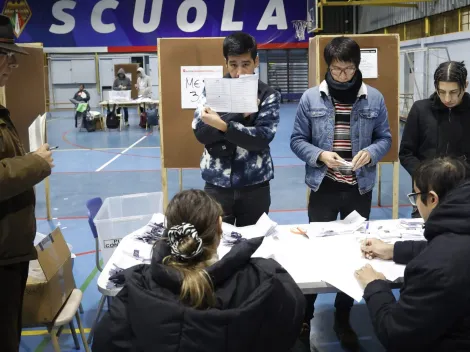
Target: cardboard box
50	281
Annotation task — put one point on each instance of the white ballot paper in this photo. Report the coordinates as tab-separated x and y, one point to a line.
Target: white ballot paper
352	223
37	133
229	95
342	257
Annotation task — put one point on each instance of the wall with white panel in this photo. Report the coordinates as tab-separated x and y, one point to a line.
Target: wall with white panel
457	45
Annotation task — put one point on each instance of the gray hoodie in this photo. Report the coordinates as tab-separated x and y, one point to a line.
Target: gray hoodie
122	80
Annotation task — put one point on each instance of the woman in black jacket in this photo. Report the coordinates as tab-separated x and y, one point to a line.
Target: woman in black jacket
188	300
440	125
433	311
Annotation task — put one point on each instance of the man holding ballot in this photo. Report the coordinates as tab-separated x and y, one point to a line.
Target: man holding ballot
236	163
341	132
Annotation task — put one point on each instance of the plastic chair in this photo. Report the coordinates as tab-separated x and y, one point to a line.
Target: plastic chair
93	206
65	317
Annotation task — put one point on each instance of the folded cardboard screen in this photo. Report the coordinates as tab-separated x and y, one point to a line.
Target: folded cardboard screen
50	281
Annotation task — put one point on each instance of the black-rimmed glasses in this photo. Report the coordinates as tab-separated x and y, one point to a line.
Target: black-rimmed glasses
412	197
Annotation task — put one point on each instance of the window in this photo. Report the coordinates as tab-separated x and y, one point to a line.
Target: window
443	23
414	30
465	20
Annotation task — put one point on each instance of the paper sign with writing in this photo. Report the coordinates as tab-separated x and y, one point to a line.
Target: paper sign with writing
192	83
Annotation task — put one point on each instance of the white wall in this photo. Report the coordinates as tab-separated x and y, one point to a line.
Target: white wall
457	45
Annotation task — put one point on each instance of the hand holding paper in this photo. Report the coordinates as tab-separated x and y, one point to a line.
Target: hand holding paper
211	118
45	153
362	158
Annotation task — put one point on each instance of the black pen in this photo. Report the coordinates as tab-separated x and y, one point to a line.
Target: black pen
52	148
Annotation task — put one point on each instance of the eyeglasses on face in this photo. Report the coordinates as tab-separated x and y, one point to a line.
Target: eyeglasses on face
413	197
337	71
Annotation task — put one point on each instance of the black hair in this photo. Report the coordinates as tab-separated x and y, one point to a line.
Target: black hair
440	175
451	71
342	49
240	43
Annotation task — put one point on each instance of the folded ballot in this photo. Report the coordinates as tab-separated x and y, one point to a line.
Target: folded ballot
351	224
265	226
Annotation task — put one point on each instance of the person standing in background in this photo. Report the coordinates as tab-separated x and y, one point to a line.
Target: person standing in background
236	163
439	125
122	82
19	173
144	86
341	132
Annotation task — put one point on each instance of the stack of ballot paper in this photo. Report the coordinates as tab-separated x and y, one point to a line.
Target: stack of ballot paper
412	229
351	224
265	226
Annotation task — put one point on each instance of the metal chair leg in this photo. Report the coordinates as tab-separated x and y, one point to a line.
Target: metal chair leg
98	313
82	332
74	335
80	308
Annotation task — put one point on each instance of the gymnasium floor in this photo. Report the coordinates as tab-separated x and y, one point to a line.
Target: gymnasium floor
114	163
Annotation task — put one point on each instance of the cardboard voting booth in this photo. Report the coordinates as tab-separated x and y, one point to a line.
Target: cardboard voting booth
50	281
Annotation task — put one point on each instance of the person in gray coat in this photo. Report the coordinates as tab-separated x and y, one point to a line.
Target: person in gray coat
122	82
144	87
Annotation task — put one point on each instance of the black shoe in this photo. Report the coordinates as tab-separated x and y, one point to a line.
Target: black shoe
345	333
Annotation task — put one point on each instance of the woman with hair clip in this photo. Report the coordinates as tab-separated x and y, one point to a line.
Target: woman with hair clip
189	300
439	125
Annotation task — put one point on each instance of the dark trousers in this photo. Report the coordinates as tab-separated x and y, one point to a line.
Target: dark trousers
242	207
325	206
126	113
13	279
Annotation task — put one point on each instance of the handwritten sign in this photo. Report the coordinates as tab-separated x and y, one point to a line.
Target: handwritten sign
192	83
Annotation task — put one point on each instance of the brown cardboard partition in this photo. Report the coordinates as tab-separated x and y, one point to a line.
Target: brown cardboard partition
25	91
50	281
387	83
132	69
179	147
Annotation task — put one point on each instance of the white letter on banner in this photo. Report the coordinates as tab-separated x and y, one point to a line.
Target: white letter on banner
182	16
97	14
60	15
269	19
155	16
228	24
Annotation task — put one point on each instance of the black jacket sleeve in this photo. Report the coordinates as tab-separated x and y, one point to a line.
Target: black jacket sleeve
430	302
409	146
206	134
258	136
113	332
406	251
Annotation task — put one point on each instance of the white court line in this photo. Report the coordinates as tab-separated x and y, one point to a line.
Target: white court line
117	156
99	149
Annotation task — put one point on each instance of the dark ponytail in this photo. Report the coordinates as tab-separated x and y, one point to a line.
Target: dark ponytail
195	212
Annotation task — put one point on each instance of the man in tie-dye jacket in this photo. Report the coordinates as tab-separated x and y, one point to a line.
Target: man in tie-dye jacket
236	163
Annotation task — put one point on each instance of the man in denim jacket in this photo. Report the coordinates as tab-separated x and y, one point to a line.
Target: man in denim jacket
341	132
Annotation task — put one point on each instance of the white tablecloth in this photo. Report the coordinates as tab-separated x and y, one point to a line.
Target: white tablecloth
311	262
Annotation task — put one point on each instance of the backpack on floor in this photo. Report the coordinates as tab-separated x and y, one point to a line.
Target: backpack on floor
152	116
143	120
88	122
112	121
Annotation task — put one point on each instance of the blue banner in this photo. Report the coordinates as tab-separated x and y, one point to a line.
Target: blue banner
92	23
